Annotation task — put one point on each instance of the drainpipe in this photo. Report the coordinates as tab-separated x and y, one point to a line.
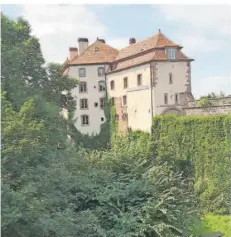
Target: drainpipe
105	78
151	92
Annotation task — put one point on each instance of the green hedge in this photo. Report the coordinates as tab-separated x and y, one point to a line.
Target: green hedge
213	223
201	145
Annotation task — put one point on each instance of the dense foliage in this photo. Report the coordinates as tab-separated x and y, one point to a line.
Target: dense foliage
201	145
50	192
214	223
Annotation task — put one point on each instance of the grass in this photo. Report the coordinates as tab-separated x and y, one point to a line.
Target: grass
214	223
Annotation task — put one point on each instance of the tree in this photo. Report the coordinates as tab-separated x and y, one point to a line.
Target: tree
54	192
24	73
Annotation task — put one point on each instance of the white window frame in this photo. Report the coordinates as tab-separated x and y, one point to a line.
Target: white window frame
102	86
101	73
171	53
85	120
82	72
84	102
80	86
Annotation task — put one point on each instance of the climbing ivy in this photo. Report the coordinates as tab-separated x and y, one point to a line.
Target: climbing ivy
201	145
106	135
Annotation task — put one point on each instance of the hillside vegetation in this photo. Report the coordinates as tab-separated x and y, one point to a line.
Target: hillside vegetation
138	185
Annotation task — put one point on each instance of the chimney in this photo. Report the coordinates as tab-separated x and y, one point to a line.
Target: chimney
102	40
83	44
132	41
73	53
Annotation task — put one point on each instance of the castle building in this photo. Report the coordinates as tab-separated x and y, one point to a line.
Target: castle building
89	66
144	79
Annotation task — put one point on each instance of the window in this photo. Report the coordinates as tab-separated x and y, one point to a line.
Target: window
176	98
83	104
170	78
112	84
96	49
171	52
101	71
101	100
166	98
82	72
125	82
85	120
113	101
101	86
82	87
139	80
102	119
124	100
96	104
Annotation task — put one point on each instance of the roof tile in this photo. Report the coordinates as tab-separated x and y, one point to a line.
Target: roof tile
98	52
156	41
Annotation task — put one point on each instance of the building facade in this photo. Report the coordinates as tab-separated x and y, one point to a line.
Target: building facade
89	66
149	78
144	79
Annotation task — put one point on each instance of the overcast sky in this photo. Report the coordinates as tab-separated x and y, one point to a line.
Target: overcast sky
203	30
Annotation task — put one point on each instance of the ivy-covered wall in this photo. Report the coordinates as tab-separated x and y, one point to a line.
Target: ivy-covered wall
201	144
102	140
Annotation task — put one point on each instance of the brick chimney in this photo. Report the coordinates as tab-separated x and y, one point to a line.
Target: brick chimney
132	41
73	52
83	44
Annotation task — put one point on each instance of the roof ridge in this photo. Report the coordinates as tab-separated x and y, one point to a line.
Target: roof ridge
139	41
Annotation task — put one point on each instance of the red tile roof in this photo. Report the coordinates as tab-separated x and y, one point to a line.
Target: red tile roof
150	49
154	55
156	41
97	52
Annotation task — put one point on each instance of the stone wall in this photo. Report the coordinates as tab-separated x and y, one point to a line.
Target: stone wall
218	106
212	110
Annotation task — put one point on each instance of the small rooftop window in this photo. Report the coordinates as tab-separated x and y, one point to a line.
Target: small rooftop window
171	53
96	49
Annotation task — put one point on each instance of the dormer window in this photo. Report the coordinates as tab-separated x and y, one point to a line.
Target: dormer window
96	49
171	53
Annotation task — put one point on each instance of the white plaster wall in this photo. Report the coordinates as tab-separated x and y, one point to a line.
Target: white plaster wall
93	95
179	71
139	109
131	74
138	97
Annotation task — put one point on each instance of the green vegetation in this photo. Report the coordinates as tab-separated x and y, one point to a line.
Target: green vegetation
213	223
201	145
118	187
